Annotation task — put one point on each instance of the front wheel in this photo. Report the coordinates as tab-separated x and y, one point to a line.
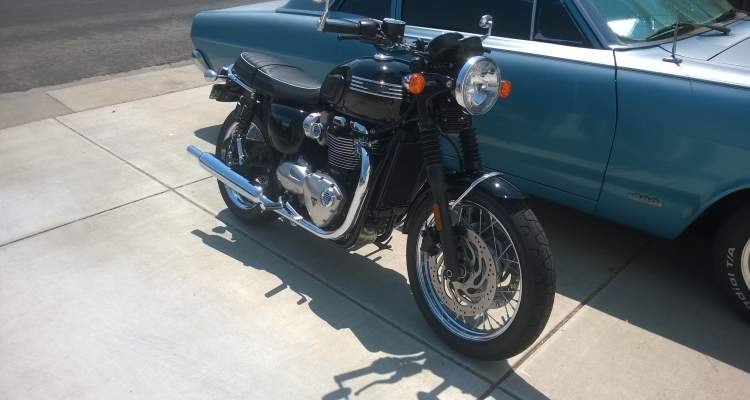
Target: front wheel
501	301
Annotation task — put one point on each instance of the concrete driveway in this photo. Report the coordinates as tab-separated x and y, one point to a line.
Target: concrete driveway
122	275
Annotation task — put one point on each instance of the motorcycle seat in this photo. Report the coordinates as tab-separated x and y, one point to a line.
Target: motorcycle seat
276	78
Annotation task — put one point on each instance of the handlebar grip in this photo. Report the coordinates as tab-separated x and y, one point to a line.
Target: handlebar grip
339	26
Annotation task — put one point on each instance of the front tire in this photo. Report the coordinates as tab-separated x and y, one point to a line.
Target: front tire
732	260
503	301
258	167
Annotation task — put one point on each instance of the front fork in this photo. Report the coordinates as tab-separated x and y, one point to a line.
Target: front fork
435	170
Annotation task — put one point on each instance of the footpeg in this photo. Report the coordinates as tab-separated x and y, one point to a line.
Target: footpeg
278	205
294	212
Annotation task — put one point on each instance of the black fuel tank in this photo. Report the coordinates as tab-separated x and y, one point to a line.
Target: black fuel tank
368	88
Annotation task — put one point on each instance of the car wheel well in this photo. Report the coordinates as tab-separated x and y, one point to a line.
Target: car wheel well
710	220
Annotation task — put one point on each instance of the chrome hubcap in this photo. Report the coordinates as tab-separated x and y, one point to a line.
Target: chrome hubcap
483	302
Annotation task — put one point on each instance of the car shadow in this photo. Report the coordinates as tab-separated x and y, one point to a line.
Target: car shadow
400	361
666	287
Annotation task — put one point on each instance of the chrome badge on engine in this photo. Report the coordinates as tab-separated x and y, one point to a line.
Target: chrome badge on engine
323	198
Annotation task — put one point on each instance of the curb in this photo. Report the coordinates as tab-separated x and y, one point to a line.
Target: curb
40	103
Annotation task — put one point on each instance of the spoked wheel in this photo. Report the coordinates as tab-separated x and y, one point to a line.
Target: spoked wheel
503	296
257	166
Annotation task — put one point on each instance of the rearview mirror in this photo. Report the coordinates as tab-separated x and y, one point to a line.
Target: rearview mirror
486	23
324	17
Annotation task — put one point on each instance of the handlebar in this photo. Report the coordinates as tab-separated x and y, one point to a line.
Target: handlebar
345	27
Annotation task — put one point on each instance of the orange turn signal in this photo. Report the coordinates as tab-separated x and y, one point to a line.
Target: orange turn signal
416	83
505	89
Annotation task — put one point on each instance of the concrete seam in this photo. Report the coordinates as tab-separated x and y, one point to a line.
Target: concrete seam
190	183
81	219
492	388
116	156
70	110
319	280
573	313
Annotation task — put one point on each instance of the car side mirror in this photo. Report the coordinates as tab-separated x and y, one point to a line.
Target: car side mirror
486	23
324	17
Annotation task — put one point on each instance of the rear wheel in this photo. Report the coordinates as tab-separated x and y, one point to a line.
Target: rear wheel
257	167
732	260
501	302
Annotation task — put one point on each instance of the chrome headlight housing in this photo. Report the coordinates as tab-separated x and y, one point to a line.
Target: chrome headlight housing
477	85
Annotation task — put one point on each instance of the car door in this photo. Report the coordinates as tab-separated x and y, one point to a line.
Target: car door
553	135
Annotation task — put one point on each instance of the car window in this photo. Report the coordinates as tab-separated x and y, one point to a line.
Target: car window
554	24
377	9
512	18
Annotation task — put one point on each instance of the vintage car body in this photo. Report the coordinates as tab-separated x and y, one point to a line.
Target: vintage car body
602	126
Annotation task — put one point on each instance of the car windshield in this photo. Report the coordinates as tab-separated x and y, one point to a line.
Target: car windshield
642	20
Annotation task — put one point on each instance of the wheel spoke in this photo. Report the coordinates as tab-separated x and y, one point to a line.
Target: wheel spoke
447	299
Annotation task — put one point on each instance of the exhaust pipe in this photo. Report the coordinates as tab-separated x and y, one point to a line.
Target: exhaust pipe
222	172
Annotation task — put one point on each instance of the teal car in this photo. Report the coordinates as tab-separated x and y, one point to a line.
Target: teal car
636	111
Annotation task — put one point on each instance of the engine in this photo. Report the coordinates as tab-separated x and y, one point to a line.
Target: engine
369	91
323	191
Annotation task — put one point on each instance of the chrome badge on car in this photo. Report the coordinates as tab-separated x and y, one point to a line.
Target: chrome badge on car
646	200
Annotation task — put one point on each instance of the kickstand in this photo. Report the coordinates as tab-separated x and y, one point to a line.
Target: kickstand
384	245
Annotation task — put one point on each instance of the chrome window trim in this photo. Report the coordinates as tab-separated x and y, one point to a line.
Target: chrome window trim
602	57
533	19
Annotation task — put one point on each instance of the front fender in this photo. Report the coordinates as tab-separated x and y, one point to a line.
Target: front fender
495	186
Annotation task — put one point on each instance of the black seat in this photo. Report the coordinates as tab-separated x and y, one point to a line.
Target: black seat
273	77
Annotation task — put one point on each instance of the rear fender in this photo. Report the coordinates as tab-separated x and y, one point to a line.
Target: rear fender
230	91
495	186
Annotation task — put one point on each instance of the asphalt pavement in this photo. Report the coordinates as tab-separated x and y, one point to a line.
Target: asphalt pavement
123	275
50	42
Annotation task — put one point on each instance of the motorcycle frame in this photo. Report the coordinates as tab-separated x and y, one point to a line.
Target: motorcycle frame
465	180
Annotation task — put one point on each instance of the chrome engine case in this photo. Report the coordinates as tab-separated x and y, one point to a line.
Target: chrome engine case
323	197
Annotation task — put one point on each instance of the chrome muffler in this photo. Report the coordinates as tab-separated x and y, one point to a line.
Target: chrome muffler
222	172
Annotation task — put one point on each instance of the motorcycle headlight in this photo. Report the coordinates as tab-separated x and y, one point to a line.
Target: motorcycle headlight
477	85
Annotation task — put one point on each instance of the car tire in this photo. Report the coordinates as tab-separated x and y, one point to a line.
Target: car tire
732	259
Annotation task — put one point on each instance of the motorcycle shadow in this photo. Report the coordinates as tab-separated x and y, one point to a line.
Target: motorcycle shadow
374	282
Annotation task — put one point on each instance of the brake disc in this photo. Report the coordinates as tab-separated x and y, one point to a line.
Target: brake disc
473	293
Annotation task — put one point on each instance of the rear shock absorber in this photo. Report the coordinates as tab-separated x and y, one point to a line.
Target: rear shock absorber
472	160
246	114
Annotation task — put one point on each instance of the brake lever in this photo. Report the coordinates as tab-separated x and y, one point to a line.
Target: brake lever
348	37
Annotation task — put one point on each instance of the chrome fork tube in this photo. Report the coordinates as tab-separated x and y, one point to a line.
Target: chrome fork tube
222	172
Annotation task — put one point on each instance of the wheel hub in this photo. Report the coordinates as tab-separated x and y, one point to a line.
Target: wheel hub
474	292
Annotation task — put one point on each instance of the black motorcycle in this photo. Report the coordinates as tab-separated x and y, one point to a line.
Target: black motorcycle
355	157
